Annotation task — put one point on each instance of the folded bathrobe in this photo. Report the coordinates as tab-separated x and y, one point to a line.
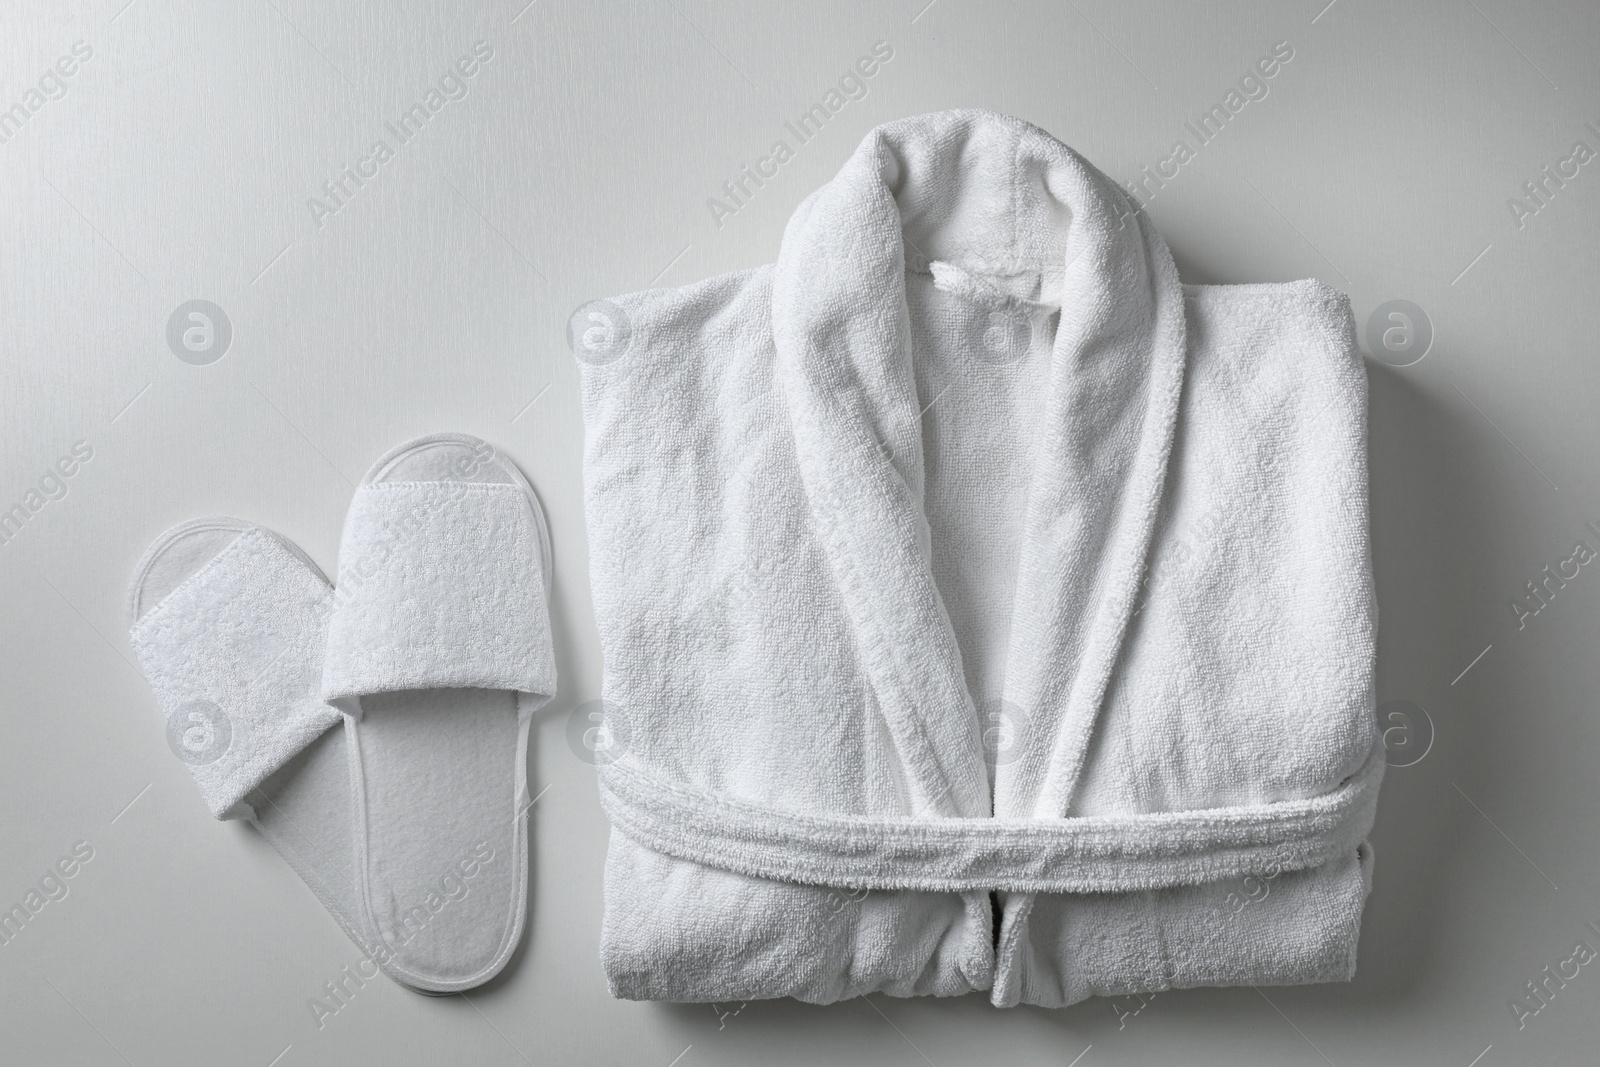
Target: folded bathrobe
982	608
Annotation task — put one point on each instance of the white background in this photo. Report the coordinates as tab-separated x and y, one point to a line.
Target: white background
177	165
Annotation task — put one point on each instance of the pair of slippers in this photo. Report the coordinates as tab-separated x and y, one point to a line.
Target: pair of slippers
375	733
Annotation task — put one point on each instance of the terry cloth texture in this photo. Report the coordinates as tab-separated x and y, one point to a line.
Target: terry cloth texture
980	606
467	610
233	655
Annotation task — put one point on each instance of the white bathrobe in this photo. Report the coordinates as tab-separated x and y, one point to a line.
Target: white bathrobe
982	608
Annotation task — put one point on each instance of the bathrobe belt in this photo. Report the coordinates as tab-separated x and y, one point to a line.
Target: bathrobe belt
1084	854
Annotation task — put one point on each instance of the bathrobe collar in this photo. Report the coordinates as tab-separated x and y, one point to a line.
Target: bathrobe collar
974	187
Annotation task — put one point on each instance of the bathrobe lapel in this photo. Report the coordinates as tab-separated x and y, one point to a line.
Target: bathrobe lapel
1115	376
844	365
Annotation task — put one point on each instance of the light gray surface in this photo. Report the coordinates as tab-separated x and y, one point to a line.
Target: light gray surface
177	165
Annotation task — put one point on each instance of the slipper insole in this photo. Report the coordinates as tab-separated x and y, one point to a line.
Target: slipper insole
444	863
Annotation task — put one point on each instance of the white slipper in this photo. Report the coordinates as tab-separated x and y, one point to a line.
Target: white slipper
439	651
228	621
